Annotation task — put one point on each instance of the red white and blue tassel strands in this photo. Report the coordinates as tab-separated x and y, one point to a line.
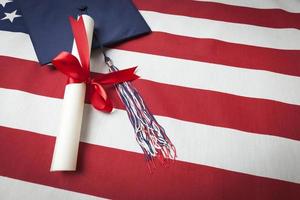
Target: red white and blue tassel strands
150	135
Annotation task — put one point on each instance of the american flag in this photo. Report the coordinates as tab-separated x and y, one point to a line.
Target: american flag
222	77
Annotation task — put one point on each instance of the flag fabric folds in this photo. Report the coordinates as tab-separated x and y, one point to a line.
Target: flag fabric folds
222	78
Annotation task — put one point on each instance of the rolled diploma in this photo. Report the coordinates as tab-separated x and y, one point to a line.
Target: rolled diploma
67	140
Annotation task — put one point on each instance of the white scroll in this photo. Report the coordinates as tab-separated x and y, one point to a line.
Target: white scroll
67	140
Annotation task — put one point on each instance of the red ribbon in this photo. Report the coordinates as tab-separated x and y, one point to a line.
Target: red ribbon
79	72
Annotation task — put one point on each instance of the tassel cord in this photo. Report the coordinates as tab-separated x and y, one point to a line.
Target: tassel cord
150	135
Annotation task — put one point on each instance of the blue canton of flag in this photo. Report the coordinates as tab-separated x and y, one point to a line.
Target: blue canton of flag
11	18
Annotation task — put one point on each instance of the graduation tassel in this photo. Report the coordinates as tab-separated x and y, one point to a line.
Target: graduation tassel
150	135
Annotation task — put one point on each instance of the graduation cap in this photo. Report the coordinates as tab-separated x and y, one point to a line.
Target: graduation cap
115	21
50	31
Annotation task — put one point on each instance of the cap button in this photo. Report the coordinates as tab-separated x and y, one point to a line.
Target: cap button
83	8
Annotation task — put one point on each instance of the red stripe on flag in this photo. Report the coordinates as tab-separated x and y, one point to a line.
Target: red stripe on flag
220	109
274	18
215	51
195	105
118	174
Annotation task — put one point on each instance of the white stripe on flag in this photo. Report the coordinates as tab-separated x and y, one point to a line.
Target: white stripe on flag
12	189
290	5
17	45
283	38
201	75
261	155
193	74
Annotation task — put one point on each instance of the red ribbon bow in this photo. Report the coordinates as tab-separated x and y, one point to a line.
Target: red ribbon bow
79	72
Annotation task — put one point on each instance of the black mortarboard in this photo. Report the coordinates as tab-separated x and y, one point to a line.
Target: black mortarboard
48	25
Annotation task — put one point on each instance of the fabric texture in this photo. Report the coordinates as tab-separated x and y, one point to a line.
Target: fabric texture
222	78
